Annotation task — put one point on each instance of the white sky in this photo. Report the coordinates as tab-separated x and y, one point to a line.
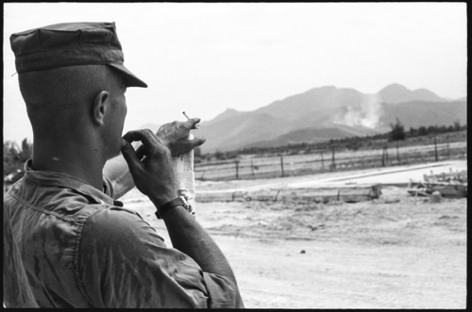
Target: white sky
206	57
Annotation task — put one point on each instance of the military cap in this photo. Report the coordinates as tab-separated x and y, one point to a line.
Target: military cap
70	44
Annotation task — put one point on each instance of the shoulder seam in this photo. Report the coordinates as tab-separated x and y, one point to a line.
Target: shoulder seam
39	209
76	244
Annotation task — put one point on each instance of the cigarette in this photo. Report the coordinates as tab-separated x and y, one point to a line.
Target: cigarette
188	118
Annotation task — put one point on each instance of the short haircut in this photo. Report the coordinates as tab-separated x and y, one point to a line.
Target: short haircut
56	96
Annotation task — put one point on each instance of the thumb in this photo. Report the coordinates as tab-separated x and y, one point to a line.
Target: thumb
130	155
193	123
197	142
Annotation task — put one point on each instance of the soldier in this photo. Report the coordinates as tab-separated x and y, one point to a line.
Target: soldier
68	241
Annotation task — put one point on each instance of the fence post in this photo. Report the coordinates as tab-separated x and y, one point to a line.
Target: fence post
435	149
383	156
448	152
236	162
333	161
322	160
398	155
282	164
386	155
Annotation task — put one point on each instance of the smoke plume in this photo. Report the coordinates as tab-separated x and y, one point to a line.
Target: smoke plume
364	114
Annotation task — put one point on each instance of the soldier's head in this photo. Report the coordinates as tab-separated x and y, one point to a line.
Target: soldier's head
73	81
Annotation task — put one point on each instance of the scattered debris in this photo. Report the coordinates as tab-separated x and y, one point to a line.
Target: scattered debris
436	197
392	201
263	223
314	228
451	177
348	194
448	185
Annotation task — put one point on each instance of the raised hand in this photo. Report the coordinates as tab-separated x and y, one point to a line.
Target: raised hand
151	168
175	136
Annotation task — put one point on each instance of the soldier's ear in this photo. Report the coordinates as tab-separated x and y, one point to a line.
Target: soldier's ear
99	107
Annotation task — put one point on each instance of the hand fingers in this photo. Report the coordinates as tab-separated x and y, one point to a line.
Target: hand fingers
184	146
197	142
192	123
140	152
130	155
145	135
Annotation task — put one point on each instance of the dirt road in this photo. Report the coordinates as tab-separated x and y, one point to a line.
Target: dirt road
385	255
395	252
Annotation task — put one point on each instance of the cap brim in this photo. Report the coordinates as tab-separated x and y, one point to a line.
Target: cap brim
130	79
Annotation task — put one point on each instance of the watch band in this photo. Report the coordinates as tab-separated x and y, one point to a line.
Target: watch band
179	201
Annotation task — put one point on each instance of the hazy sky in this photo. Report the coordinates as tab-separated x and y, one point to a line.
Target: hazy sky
206	57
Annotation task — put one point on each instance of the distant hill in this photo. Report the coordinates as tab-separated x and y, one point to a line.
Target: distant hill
228	113
312	101
420	113
325	113
232	133
307	135
396	93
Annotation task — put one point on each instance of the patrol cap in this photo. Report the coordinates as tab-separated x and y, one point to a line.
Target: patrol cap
70	44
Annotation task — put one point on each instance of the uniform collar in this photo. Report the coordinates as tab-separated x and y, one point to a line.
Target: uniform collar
52	178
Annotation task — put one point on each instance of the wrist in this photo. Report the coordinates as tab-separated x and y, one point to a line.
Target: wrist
164	140
180	201
161	200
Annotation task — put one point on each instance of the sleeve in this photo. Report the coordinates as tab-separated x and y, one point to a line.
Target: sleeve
117	172
223	292
124	263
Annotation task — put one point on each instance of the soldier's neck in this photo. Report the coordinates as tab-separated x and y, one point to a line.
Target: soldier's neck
83	162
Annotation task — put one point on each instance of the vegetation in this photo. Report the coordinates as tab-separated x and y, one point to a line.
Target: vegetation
15	156
397	134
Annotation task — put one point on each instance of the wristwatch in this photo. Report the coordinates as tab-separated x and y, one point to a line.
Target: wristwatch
179	201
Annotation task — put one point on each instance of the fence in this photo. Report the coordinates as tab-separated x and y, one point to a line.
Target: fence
390	154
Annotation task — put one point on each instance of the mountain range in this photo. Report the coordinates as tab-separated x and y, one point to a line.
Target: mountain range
328	112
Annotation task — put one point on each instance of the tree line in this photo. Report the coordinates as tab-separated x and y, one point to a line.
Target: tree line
14	155
397	133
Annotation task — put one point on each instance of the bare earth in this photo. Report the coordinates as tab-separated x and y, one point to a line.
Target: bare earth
398	251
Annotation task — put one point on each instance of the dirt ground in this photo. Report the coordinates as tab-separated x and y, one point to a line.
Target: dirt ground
397	251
